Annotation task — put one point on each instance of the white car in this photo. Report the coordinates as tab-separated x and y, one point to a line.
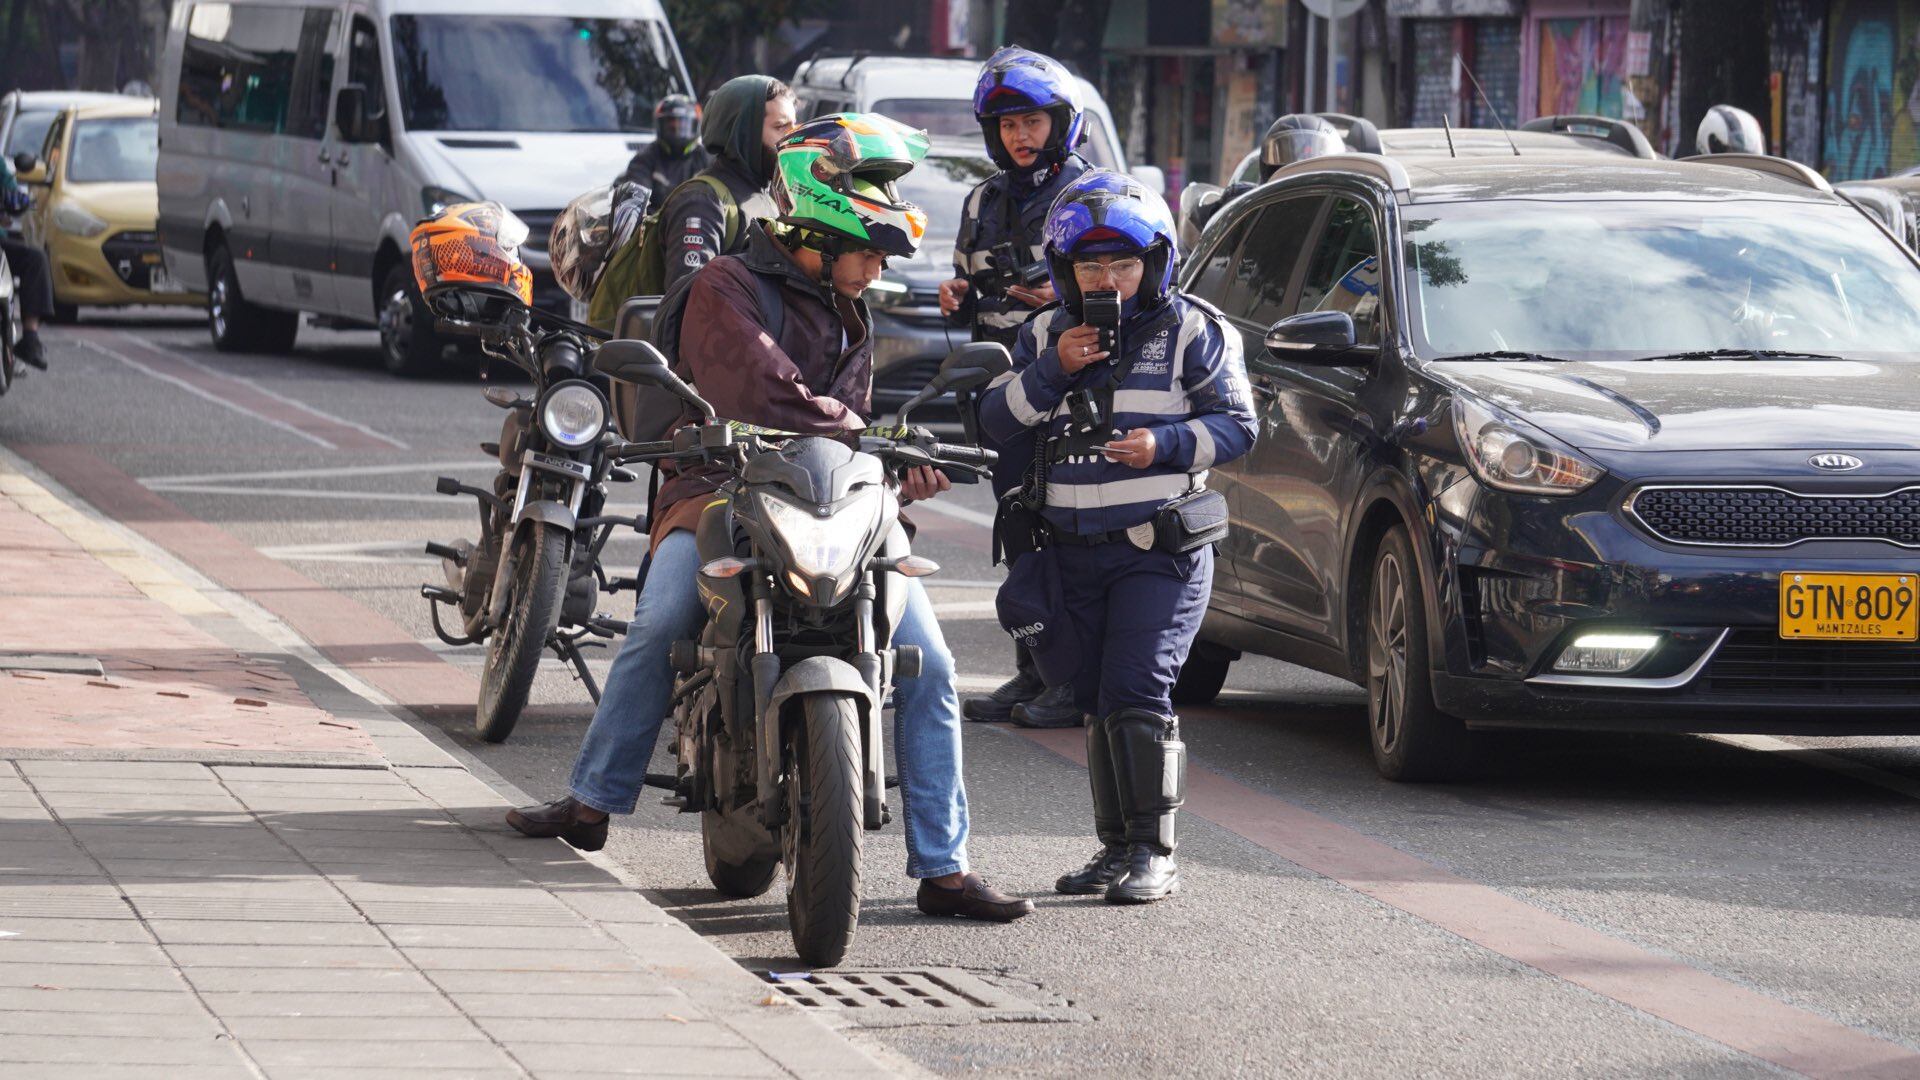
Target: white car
300	140
936	93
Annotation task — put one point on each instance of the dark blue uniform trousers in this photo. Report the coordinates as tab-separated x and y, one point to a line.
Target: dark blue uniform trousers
1136	613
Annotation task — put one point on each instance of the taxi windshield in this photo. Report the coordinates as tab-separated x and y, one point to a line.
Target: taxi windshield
1630	279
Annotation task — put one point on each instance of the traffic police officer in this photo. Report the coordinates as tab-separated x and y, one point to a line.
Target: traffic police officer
1127	437
1029	110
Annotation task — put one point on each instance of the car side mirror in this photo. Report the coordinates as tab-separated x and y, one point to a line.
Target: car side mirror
968	367
355	115
28	168
1318	337
640	362
1151	177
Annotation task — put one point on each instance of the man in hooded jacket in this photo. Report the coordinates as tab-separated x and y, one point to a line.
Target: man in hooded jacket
745	120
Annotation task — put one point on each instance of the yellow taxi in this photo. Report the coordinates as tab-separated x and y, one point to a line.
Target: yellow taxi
96	208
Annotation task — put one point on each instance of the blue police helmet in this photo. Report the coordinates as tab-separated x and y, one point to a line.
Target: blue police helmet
1017	80
1104	212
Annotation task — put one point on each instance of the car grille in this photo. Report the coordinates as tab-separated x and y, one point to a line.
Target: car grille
539	226
1758	661
1775	517
127	253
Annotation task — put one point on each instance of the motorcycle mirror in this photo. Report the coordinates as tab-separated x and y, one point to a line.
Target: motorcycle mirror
971	365
640	362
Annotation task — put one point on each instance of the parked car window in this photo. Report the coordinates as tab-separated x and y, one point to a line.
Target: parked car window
262	69
1344	274
115	150
1264	268
1616	280
938	116
1210	281
530	73
939	186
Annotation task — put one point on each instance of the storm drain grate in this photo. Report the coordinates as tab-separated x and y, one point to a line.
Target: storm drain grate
928	995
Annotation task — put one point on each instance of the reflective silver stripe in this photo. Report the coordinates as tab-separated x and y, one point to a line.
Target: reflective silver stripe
1203	448
1042	334
1153	489
1017	404
1192	326
1152	402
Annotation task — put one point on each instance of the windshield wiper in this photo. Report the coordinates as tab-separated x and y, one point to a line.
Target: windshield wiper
1504	354
1749	354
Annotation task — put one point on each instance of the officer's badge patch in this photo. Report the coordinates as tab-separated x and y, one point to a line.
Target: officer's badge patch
1155	349
1141	536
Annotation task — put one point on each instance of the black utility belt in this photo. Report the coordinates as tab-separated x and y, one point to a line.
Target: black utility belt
1190	522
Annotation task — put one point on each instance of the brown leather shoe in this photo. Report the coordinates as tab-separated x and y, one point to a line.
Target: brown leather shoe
973	900
561	818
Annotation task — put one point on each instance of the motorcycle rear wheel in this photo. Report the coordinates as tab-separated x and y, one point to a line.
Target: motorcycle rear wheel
742	857
822	847
533	609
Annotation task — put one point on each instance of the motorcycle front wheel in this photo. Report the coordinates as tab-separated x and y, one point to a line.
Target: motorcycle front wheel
538	584
824	833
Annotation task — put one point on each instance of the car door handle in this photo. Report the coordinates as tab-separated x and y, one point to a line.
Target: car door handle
342	162
326	155
1264	391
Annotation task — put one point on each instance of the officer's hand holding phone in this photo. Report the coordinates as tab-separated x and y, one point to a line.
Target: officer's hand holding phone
1079	347
1035	297
1136	448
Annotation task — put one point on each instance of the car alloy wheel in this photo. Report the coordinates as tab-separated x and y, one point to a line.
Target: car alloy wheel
396	326
1387	652
217	303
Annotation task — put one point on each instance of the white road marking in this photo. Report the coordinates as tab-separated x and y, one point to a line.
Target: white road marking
1822	759
284	399
382	552
302	493
314	474
958	513
174	380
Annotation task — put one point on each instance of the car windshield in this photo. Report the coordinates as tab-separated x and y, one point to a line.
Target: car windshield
30	132
938	185
119	150
531	73
1628	279
935	116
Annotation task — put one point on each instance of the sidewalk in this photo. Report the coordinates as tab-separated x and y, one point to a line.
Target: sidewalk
216	860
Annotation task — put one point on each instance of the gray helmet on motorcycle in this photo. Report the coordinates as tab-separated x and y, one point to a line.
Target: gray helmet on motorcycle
1727	130
1297	137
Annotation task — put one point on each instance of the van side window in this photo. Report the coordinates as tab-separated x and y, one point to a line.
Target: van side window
248	68
1345	272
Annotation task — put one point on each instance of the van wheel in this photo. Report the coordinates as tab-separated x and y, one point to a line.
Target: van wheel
1412	739
236	325
408	345
1204	673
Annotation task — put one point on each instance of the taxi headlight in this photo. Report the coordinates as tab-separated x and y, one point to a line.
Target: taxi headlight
69	218
824	546
573	414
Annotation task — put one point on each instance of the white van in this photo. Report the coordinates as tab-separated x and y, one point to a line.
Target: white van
936	93
300	140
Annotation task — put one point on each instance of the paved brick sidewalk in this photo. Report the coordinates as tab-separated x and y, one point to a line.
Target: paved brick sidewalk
215	861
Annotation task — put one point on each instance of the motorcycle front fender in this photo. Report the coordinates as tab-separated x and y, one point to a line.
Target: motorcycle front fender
550	511
534	515
827	674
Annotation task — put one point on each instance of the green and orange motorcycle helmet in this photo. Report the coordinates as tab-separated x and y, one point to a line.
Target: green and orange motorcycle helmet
834	179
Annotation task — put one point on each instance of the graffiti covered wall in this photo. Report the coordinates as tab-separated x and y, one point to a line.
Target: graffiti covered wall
1583	65
1873	95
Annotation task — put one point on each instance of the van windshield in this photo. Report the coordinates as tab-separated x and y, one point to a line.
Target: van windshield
114	151
531	73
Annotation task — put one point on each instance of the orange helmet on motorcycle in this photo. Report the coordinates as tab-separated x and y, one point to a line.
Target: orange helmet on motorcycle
472	246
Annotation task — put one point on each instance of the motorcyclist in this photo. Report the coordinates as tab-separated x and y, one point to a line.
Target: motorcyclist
1124	435
840	219
744	121
1293	137
1729	130
1030	114
30	266
675	152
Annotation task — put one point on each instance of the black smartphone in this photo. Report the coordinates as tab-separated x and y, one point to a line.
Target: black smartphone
1101	310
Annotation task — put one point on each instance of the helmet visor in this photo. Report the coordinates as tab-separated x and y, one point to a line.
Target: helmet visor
1287	147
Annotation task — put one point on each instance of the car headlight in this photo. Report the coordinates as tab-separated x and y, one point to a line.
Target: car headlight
72	219
573	414
1511	455
436	199
824	546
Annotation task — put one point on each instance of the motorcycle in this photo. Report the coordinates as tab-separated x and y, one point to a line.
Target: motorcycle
533	580
777	707
11	326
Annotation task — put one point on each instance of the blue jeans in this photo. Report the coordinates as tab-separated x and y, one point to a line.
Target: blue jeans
613	759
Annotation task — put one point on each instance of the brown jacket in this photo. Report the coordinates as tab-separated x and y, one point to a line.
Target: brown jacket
817	379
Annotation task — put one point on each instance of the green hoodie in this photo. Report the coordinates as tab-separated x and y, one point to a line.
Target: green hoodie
735	116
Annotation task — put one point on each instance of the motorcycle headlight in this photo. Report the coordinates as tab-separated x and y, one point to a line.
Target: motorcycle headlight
573	414
72	219
824	547
436	199
1510	455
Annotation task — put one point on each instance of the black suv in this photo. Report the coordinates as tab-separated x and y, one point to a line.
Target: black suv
1555	442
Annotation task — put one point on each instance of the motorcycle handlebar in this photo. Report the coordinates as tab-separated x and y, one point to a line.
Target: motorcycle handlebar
963	455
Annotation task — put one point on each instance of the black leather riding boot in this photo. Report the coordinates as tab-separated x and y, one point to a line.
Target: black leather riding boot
1150	767
997	707
1108	823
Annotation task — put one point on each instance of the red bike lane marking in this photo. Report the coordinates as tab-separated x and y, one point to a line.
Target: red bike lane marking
347	632
1708	1005
241	394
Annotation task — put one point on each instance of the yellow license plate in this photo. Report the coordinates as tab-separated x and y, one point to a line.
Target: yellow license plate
1849	607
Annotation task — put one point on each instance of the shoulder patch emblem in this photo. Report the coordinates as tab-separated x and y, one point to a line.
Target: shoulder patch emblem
693	223
693	259
1155	349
